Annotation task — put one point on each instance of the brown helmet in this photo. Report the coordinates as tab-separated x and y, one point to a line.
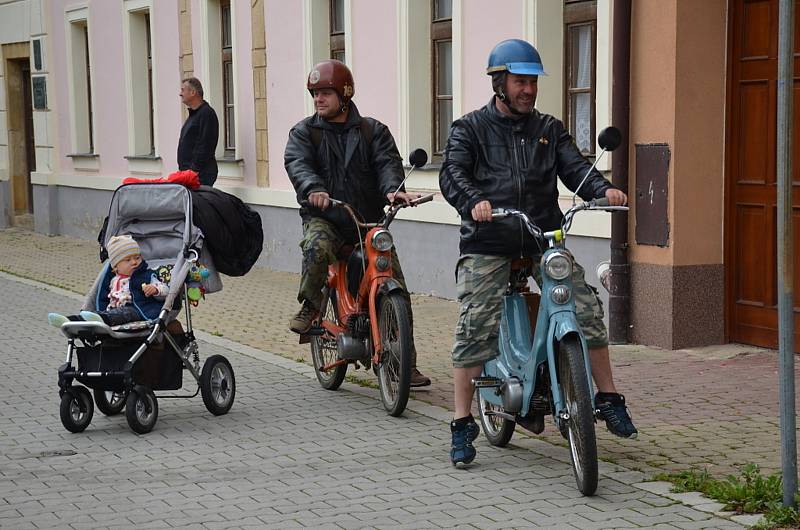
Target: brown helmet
332	74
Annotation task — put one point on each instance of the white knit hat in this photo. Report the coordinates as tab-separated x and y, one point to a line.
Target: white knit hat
120	247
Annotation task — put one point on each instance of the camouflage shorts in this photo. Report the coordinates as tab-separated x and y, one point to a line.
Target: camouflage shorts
481	283
321	244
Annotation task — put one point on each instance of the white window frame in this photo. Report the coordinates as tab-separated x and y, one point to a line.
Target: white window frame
82	128
211	48
140	159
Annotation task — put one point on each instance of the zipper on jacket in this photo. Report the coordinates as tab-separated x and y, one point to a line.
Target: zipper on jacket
518	178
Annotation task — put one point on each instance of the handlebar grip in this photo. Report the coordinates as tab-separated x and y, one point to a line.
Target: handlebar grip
601	202
424	199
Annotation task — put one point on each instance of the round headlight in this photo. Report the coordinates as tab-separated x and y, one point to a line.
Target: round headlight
382	263
382	240
558	266
560	294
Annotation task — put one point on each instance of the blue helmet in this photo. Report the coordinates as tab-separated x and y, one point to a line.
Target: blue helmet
515	56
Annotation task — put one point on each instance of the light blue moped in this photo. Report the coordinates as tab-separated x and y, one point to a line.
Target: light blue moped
543	367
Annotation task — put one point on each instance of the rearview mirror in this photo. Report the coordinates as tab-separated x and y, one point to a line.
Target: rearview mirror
418	158
609	138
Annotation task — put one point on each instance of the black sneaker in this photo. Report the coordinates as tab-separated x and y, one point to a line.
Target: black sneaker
611	408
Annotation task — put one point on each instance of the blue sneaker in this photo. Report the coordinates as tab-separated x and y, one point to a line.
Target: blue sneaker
611	408
462	450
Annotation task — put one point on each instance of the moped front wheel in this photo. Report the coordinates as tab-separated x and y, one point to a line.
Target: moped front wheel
574	385
394	371
498	430
324	350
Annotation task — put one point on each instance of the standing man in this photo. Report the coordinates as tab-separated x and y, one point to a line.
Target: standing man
337	153
199	134
509	155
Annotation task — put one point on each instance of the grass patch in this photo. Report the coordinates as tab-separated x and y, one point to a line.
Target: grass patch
750	493
360	382
216	333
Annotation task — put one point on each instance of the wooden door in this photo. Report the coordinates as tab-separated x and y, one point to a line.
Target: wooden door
751	228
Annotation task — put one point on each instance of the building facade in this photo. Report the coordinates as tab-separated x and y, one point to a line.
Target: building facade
89	96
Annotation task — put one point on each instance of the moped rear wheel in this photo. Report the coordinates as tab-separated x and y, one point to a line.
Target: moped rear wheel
324	350
580	426
394	371
498	430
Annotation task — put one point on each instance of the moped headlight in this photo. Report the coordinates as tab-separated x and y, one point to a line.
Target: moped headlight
382	263
382	241
560	294
558	266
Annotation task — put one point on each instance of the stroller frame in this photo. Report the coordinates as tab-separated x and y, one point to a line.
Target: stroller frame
115	384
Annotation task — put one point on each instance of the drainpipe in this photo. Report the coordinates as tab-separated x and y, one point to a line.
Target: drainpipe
619	292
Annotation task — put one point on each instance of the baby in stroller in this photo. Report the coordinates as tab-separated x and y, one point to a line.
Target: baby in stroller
133	292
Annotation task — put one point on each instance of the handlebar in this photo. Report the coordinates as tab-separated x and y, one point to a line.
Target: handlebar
557	235
394	208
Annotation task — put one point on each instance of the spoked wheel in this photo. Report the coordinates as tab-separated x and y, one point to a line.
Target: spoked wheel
109	402
141	410
394	371
218	385
498	430
580	425
324	350
76	409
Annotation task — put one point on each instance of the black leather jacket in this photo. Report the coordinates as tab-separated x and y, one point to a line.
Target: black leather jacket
362	175
512	164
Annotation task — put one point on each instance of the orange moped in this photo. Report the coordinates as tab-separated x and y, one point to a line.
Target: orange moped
364	316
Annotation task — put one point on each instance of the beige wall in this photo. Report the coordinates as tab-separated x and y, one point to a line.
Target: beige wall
653	71
678	69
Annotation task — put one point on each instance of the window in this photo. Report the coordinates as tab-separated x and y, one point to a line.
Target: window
227	79
80	79
152	150
442	51
140	78
337	30
580	35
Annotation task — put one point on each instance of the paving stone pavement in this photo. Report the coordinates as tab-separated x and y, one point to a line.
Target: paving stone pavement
714	408
288	454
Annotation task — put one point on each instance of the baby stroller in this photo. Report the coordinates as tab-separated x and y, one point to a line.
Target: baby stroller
125	364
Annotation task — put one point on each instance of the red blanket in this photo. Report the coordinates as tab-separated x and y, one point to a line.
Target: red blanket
187	177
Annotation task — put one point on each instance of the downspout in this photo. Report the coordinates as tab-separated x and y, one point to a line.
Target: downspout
619	292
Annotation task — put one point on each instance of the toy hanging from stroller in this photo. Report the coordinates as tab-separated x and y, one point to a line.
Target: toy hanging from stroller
125	364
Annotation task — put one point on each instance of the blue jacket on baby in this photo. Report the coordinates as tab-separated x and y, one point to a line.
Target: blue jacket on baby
148	306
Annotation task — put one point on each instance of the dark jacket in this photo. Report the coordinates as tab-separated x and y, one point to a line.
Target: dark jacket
360	175
512	164
198	142
148	306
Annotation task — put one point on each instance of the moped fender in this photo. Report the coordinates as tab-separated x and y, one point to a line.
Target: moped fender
379	288
562	324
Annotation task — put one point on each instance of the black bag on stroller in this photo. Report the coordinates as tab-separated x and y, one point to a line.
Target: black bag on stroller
232	230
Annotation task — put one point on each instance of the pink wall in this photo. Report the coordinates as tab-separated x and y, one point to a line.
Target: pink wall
484	25
286	80
246	140
108	92
374	59
168	121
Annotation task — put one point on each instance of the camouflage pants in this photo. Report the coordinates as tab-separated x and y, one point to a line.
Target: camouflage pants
321	244
482	281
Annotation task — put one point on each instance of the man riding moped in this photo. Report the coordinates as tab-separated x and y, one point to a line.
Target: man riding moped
509	155
336	153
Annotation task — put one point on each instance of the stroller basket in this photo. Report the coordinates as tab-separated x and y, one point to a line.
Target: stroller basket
157	368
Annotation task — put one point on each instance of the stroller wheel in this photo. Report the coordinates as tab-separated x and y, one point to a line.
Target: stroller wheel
141	410
109	402
76	409
218	385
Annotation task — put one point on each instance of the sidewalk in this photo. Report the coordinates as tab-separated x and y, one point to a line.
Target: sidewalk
711	407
